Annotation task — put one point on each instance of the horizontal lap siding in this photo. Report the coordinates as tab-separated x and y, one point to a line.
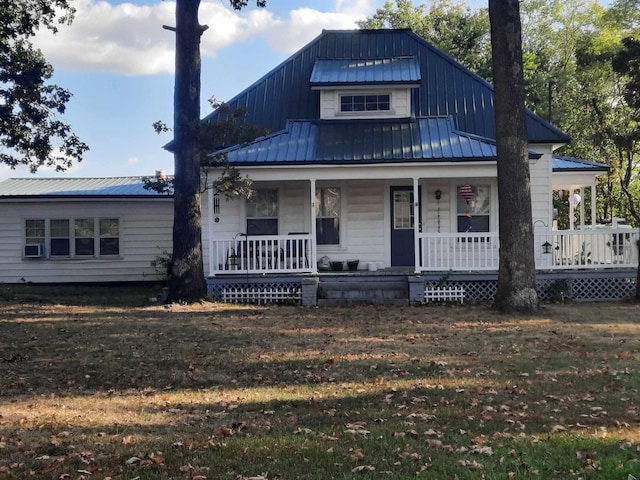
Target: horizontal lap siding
145	231
365	222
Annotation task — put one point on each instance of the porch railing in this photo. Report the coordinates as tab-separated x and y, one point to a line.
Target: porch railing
554	250
262	254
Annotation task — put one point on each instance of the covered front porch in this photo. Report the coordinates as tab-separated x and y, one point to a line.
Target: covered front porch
594	249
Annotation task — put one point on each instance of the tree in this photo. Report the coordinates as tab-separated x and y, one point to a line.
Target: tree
517	274
186	279
451	26
31	133
627	63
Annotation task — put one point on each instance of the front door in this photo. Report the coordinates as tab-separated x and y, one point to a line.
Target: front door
402	222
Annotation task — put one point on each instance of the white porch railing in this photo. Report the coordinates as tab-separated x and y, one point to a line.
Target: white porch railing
566	250
262	254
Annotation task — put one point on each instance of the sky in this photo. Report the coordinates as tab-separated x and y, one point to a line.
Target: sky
118	62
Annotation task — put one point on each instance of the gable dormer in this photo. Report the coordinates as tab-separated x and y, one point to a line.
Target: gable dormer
365	88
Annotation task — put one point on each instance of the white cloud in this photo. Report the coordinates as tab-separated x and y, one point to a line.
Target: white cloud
129	39
133	160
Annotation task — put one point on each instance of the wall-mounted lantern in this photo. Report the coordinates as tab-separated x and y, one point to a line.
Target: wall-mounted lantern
546	247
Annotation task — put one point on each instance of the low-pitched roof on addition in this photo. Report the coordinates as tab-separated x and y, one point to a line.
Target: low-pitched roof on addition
446	87
113	187
324	142
570	164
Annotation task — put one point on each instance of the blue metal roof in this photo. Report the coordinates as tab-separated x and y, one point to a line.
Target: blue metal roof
358	71
446	87
364	142
570	164
130	187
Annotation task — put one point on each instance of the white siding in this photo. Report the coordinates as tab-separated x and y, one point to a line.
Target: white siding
145	232
541	187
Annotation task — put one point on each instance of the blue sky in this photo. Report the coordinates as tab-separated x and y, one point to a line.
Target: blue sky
118	62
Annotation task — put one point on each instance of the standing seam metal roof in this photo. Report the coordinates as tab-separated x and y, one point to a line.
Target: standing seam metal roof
365	71
77	187
447	87
364	142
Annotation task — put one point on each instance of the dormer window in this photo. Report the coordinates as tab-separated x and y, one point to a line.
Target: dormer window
365	103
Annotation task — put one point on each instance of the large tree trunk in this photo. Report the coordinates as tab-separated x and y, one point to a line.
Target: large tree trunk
517	272
187	282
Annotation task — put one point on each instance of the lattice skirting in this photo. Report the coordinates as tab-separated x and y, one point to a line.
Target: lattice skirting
574	288
257	293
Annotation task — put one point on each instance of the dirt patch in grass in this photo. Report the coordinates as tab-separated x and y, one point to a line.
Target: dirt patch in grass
104	384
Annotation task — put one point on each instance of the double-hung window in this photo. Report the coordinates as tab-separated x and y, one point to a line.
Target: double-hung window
473	208
72	237
85	236
109	236
60	242
262	212
328	216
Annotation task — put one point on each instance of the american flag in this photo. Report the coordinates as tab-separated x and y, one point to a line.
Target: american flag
466	192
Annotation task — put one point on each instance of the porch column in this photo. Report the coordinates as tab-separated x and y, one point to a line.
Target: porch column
210	229
572	210
581	208
593	204
416	226
312	245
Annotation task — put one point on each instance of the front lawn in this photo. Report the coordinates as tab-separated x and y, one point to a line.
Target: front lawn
102	383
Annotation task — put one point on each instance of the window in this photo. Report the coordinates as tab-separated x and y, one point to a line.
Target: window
34	232
262	212
365	103
474	208
403	210
71	238
328	216
60	244
84	235
109	236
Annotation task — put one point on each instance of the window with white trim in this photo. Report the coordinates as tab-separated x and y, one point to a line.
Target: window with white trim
60	242
328	216
70	238
262	212
358	103
473	208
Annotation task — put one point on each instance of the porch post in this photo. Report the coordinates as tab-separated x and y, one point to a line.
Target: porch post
210	229
581	208
572	210
416	226
593	204
312	245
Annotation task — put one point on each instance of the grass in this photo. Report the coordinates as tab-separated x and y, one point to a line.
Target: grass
101	383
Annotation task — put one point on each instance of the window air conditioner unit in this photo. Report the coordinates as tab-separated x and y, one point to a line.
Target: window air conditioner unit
33	250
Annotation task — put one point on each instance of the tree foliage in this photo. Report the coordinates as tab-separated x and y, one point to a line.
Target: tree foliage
451	26
31	132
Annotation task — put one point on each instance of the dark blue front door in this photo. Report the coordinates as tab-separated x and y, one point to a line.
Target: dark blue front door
402	222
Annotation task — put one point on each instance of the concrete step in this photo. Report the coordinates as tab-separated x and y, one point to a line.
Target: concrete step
352	291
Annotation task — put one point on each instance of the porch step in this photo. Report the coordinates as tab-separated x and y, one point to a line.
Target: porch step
363	290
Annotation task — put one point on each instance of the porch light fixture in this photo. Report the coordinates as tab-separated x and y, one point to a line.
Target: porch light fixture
438	194
546	247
